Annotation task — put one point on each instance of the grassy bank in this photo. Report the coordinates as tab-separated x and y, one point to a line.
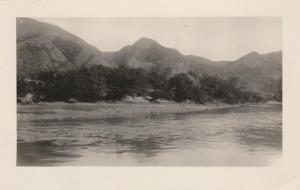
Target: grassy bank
85	111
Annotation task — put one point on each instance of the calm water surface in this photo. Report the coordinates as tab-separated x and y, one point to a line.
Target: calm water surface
241	136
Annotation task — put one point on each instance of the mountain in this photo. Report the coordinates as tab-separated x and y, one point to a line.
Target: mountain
257	72
146	53
44	47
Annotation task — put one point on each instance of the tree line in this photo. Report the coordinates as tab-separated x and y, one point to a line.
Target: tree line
94	83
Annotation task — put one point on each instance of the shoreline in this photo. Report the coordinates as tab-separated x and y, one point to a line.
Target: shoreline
60	111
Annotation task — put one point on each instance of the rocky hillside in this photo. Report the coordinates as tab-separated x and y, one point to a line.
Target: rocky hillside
43	47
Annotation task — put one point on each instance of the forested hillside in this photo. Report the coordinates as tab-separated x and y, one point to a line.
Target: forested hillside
56	65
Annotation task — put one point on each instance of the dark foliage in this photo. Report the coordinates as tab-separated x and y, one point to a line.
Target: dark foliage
95	83
278	90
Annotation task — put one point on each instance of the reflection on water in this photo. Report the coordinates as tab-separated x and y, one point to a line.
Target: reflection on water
247	135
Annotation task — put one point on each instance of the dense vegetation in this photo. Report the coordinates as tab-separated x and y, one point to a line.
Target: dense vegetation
94	83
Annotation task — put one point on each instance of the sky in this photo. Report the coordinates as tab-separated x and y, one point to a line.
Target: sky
215	38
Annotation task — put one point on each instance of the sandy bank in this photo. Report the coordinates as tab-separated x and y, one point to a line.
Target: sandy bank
86	111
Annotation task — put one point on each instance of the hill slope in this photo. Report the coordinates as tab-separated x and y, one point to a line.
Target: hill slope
146	53
257	72
42	47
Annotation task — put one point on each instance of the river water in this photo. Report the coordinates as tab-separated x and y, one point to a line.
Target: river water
239	136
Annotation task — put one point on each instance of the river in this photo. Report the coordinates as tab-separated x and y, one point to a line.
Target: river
238	136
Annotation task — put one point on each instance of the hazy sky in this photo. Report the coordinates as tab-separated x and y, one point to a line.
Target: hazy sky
226	38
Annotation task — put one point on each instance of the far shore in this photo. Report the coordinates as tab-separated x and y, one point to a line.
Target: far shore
104	110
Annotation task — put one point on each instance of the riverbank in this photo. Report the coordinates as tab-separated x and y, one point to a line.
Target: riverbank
104	110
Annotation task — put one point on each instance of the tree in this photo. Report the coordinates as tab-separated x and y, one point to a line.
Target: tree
278	91
180	84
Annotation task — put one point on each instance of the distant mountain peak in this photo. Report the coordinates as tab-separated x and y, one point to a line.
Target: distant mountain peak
145	42
252	54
